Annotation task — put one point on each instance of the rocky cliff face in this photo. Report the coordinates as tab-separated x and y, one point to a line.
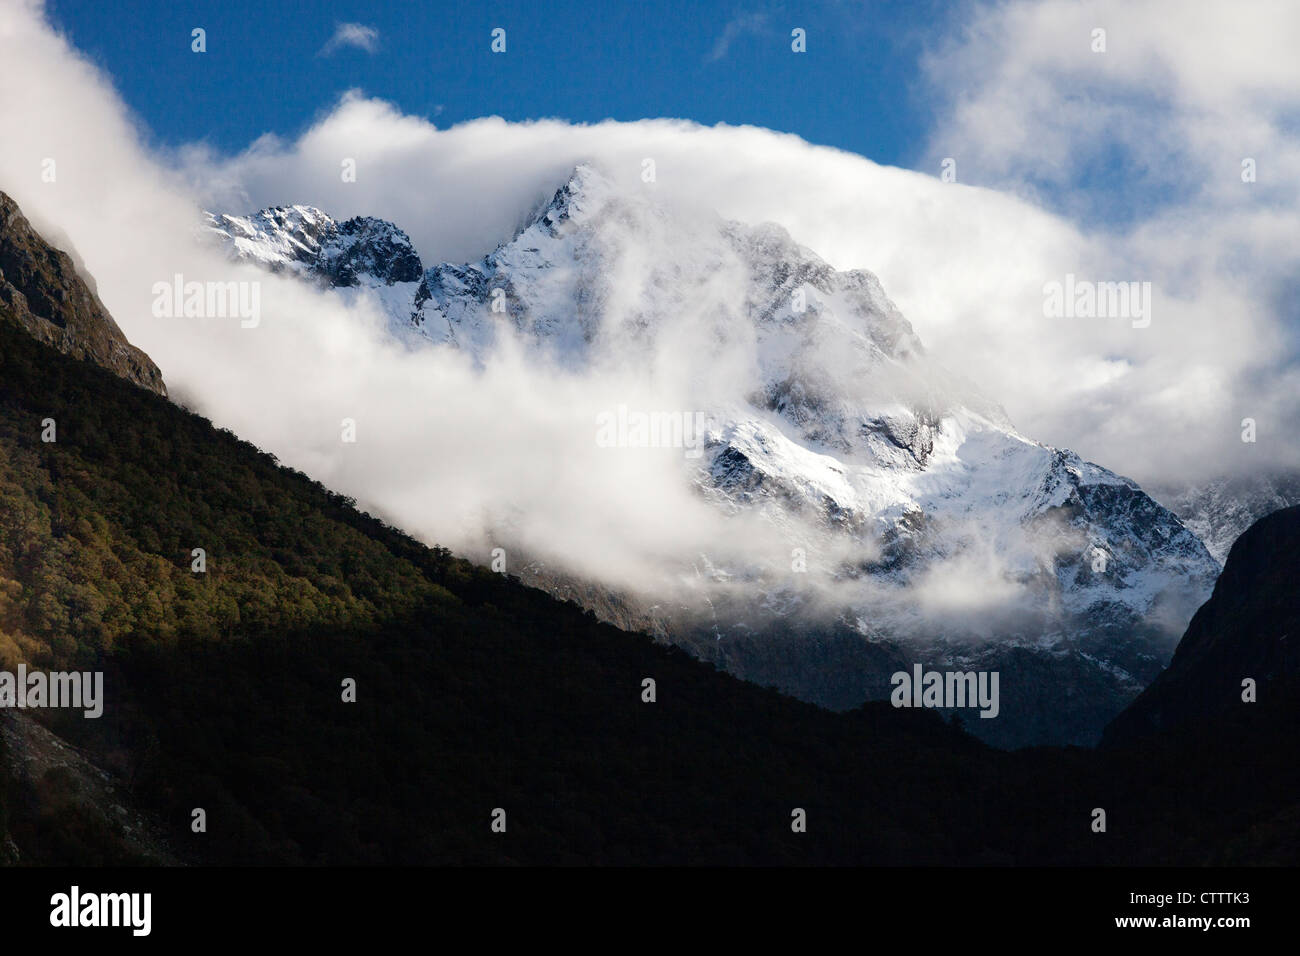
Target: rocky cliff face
41	291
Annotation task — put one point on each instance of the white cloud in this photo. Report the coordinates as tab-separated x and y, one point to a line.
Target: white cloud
1158	127
356	35
736	27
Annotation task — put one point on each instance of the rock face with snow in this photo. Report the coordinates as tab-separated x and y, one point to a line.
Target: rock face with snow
303	240
917	525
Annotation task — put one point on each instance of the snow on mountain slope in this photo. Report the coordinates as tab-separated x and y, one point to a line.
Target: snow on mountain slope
914	515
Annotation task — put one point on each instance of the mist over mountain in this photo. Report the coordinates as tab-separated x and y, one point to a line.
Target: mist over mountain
968	264
530	435
871	501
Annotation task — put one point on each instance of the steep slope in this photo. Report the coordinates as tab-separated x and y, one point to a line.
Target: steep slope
1249	629
51	791
42	292
930	530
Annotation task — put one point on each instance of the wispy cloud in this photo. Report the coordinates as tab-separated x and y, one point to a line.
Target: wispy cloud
351	34
737	27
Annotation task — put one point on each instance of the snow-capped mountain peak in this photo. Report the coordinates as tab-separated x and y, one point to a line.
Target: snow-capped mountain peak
926	519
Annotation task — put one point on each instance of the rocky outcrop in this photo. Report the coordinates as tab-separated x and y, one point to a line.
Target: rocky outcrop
42	291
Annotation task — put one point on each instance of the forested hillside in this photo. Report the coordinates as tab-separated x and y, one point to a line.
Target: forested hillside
473	693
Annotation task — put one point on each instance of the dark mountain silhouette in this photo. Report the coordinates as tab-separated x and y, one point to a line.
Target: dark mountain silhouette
1249	630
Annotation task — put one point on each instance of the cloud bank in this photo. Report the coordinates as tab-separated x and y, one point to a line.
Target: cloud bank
1171	129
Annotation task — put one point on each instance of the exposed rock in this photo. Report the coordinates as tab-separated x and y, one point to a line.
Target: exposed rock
42	291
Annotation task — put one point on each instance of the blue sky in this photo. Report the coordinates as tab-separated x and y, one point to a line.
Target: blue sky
263	71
